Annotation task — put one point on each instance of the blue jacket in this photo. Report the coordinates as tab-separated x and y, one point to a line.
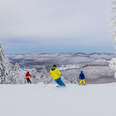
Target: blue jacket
81	76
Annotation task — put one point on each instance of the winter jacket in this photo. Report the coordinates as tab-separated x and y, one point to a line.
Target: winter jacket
27	76
55	73
81	76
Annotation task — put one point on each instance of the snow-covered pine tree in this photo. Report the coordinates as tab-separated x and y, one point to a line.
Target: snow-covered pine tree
18	75
45	76
112	63
4	67
34	75
113	20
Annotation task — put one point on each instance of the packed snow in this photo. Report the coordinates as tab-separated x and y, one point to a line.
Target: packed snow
48	100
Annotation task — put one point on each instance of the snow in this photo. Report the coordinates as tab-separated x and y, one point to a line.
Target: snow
48	100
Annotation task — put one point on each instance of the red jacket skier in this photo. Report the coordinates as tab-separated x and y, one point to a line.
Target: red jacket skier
28	76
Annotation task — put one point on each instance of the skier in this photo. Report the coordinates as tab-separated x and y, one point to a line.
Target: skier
56	74
82	78
28	76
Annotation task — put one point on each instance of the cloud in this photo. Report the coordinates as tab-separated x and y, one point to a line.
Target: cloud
44	24
51	18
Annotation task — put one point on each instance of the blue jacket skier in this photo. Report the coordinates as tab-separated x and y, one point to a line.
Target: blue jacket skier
82	78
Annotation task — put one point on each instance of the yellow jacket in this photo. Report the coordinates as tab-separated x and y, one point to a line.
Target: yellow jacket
55	74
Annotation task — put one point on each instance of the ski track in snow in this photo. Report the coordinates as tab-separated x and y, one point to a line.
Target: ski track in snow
48	100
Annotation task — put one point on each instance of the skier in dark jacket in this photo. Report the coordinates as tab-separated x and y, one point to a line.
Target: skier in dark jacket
82	78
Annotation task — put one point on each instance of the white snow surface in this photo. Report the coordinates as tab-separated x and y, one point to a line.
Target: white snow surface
48	100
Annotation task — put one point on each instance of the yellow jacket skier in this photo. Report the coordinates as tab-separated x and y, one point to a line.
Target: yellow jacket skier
56	74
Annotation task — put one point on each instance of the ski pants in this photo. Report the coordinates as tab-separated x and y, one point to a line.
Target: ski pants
60	82
28	80
82	80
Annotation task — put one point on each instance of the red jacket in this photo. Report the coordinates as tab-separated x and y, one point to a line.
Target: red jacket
27	76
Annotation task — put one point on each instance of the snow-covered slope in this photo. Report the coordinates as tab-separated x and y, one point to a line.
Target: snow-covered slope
47	100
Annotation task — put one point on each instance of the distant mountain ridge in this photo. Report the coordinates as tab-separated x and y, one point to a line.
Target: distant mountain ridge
40	59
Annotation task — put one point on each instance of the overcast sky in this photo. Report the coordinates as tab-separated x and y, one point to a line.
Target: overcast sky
55	26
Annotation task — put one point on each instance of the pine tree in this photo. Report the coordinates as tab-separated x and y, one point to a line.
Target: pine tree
113	20
18	75
45	76
112	63
4	67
